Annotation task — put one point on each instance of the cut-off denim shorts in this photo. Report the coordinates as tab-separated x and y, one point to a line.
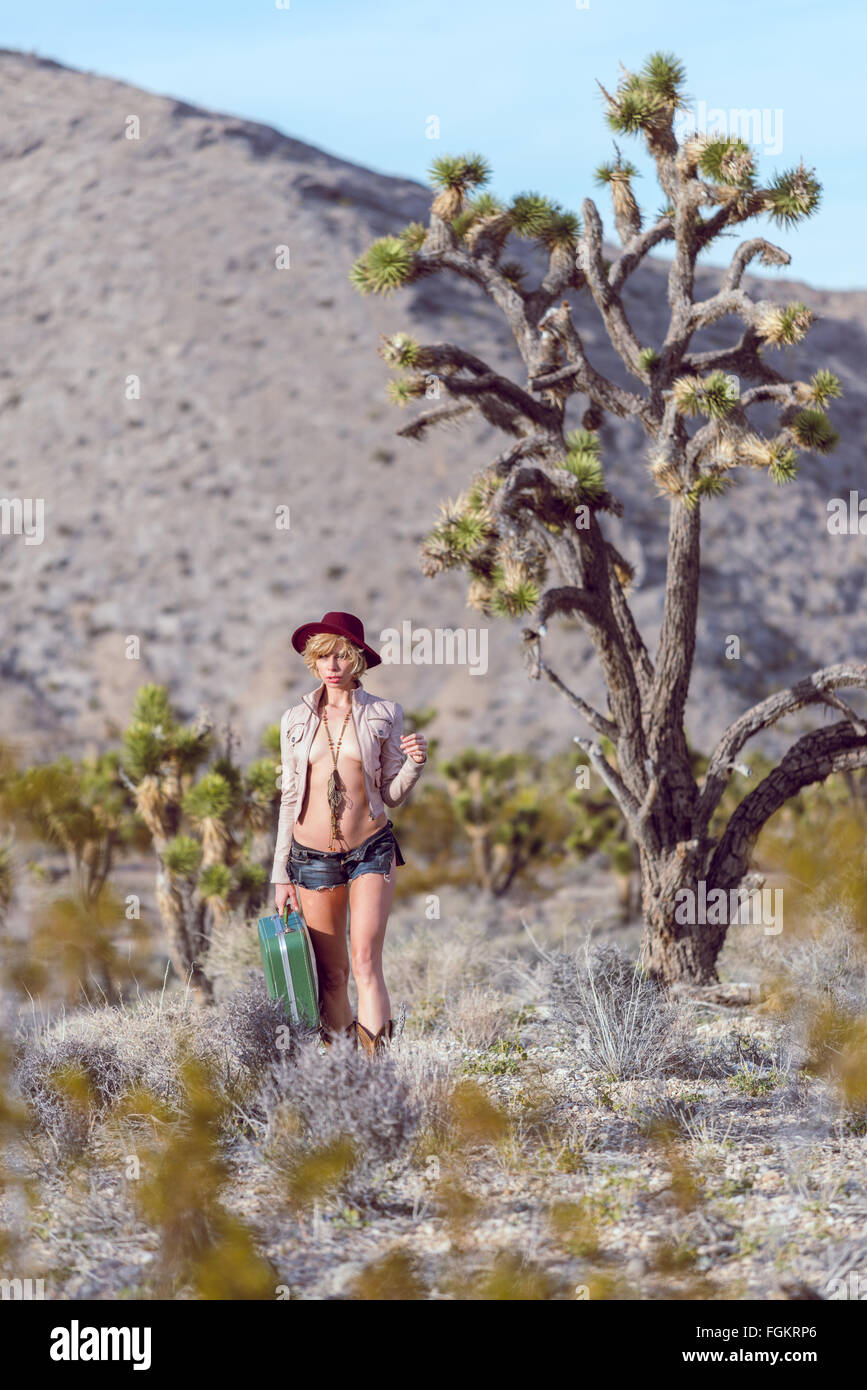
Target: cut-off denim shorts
322	868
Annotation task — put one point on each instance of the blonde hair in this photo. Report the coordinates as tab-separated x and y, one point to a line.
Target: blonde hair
324	643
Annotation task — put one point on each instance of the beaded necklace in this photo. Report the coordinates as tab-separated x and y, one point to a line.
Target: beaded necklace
335	782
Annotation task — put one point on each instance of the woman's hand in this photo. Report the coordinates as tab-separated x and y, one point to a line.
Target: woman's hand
284	891
415	745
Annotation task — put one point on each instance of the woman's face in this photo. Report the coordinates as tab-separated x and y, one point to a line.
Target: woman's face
336	668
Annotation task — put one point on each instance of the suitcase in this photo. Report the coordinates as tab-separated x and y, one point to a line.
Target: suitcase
290	965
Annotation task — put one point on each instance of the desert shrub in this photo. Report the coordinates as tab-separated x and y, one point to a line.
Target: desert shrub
477	1016
234	950
429	1077
330	1121
819	990
431	964
74	1073
70	1083
665	1117
184	1176
617	1019
253	1027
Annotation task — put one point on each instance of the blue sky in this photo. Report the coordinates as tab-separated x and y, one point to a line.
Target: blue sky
513	81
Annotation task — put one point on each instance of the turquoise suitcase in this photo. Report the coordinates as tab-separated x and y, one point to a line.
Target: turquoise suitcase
290	965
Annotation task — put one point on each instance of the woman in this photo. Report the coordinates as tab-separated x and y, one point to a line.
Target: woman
343	762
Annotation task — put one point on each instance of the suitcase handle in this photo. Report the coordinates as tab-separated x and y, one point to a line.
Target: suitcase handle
284	915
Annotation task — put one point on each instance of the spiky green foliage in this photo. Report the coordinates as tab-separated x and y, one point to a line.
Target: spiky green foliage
485	205
727	160
459	172
467	533
461	223
587	441
714	395
403	389
814	432
562	229
216	881
259	778
583	462
636	108
385	265
516	600
647	357
792	196
152	707
400	350
211	798
80	808
503	814
645	98
605	173
413	235
664	74
784	465
784	325
710	484
719	395
531	213
182	856
155	737
825	387
251	879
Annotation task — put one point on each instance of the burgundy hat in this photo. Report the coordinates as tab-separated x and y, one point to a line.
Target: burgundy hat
339	625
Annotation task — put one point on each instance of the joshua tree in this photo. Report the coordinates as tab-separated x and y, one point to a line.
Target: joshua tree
542	500
504	820
203	831
80	808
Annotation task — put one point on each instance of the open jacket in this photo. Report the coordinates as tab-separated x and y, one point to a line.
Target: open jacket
388	774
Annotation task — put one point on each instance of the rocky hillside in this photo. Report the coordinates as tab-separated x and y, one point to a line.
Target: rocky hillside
259	388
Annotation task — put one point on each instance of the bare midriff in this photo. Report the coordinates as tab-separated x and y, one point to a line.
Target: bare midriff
313	827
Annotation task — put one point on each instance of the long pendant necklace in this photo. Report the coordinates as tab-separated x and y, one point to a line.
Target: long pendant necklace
335	783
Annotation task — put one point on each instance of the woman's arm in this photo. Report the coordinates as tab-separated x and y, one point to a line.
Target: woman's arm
288	799
399	772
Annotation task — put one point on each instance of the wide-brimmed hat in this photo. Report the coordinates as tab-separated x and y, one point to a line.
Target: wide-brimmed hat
339	625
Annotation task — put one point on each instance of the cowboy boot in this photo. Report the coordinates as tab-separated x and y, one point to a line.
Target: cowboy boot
328	1038
375	1043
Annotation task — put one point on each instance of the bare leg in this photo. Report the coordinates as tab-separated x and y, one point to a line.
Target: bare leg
325	914
370	899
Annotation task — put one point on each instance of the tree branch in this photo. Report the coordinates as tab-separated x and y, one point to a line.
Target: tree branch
746	252
813	689
613	781
605	295
812	759
635	251
438	415
536	665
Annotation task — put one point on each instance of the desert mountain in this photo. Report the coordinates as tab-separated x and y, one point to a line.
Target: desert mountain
154	260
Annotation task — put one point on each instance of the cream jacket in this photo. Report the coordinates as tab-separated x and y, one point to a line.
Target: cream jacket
388	774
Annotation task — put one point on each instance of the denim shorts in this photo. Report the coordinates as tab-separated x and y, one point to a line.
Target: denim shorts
321	868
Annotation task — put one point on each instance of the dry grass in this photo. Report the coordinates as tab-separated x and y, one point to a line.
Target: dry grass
602	1137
